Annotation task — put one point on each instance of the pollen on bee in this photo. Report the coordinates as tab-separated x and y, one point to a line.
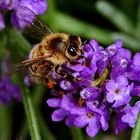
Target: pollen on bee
50	84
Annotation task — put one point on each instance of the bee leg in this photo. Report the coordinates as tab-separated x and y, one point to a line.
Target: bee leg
46	68
59	71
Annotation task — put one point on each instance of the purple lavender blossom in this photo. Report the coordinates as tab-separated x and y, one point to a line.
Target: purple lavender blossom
118	91
27	80
89	93
24	12
120	126
112	49
8	91
134	68
103	80
127	116
90	117
131	114
136	90
64	106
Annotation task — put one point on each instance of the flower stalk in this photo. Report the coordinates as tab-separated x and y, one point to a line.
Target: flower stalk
136	131
30	113
102	78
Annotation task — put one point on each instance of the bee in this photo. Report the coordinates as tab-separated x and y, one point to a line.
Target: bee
54	50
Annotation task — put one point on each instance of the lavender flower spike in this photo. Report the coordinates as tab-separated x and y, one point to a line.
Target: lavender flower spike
103	80
24	12
8	91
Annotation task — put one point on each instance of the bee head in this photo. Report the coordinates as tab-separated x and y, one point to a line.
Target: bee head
73	48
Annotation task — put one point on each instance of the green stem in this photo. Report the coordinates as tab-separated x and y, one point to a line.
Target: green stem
19	39
5	123
30	113
37	99
101	78
76	133
136	131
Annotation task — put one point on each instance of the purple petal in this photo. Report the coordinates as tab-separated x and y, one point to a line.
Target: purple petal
131	114
136	60
2	25
104	123
59	115
93	128
122	81
110	97
22	17
70	120
37	6
67	85
54	102
111	86
89	93
81	121
136	90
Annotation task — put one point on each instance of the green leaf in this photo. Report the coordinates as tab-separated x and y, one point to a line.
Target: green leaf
17	37
129	42
136	131
138	22
45	131
116	16
38	92
69	24
30	114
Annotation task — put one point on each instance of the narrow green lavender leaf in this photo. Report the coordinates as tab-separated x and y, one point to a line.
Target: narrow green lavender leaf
72	25
137	30
129	41
38	92
17	37
30	114
45	131
136	131
116	16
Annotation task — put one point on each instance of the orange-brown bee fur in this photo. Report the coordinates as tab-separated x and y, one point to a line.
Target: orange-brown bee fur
54	50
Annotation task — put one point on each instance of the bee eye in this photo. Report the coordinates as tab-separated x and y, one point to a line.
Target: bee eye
72	51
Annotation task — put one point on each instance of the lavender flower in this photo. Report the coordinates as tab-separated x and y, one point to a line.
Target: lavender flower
64	106
91	117
118	92
134	68
131	114
24	12
8	90
127	116
103	80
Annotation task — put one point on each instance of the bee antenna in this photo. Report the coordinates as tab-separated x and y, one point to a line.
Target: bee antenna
88	42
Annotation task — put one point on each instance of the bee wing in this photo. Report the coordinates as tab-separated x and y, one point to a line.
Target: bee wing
24	65
31	23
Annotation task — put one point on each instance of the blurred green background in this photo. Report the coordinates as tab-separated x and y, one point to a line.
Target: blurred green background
105	21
